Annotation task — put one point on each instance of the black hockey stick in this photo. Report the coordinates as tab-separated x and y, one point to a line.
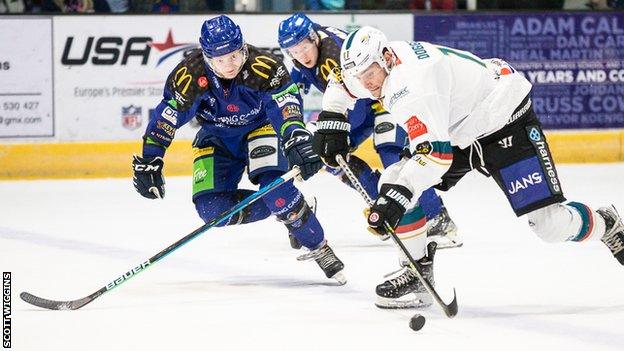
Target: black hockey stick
449	309
76	304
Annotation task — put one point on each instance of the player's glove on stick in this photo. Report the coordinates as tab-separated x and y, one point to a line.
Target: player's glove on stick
298	150
389	207
331	137
148	179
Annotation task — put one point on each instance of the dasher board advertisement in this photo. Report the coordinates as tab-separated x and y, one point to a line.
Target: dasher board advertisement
110	70
26	74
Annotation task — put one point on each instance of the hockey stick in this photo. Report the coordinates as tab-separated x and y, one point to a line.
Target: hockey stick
449	309
76	304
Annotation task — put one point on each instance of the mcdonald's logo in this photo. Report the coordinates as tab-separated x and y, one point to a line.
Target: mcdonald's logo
182	77
330	68
261	67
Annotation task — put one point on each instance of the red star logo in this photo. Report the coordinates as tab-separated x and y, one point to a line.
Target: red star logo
168	44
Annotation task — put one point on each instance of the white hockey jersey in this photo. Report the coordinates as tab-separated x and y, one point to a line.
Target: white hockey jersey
441	97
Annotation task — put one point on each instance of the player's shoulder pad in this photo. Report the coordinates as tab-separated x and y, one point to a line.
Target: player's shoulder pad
328	62
264	71
188	80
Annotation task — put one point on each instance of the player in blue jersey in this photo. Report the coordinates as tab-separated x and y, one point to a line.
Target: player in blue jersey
315	52
249	110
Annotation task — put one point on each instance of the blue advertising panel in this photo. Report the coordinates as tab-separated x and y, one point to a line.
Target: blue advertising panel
574	60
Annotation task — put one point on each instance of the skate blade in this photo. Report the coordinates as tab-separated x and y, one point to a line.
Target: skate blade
340	278
410	300
445	243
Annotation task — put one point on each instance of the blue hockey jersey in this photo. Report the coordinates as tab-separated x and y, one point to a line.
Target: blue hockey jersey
261	93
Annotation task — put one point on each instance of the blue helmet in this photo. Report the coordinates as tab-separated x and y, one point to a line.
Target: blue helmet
294	29
220	36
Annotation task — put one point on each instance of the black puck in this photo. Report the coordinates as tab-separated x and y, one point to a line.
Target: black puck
417	322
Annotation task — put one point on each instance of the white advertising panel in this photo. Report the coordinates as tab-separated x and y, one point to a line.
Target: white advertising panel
26	78
110	70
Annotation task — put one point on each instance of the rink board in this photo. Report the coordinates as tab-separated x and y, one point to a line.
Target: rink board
112	159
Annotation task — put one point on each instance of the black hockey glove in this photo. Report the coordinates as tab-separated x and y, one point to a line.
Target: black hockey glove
331	137
389	207
298	150
148	179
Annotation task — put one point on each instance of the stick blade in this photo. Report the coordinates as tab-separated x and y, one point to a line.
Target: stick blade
451	309
53	304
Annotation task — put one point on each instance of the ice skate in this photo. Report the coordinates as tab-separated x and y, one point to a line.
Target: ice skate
443	231
614	232
405	290
327	260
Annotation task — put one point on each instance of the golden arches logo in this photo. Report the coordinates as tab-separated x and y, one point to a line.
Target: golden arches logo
330	67
182	77
261	64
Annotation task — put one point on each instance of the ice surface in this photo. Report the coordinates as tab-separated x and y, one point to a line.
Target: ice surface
241	288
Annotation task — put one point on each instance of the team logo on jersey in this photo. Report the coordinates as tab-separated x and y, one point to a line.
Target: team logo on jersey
166	127
415	127
291	111
330	68
262	151
131	117
525	182
286	99
170	115
535	135
277	78
545	159
396	96
232	108
202	82
261	67
182	79
384	127
506	142
423	148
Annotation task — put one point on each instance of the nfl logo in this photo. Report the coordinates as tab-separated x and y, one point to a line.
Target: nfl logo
131	117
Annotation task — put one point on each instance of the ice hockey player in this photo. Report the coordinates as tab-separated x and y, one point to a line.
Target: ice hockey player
315	51
250	115
461	113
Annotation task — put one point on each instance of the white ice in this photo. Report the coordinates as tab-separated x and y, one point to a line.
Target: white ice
240	288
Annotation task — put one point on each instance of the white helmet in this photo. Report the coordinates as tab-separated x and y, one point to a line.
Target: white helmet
361	49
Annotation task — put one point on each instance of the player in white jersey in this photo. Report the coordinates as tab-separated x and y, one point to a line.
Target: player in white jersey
461	113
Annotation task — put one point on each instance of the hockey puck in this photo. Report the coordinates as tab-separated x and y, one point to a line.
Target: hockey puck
417	322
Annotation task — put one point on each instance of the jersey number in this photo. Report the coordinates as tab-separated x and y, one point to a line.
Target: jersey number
448	51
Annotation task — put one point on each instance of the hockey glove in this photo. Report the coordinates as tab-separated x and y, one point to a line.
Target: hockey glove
389	207
331	137
298	150
148	179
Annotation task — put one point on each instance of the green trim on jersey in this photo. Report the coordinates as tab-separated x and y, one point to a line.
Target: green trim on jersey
291	89
290	123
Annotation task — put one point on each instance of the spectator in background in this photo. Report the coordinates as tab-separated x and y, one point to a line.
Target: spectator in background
605	4
435	4
520	4
166	6
331	5
114	6
12	6
67	6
